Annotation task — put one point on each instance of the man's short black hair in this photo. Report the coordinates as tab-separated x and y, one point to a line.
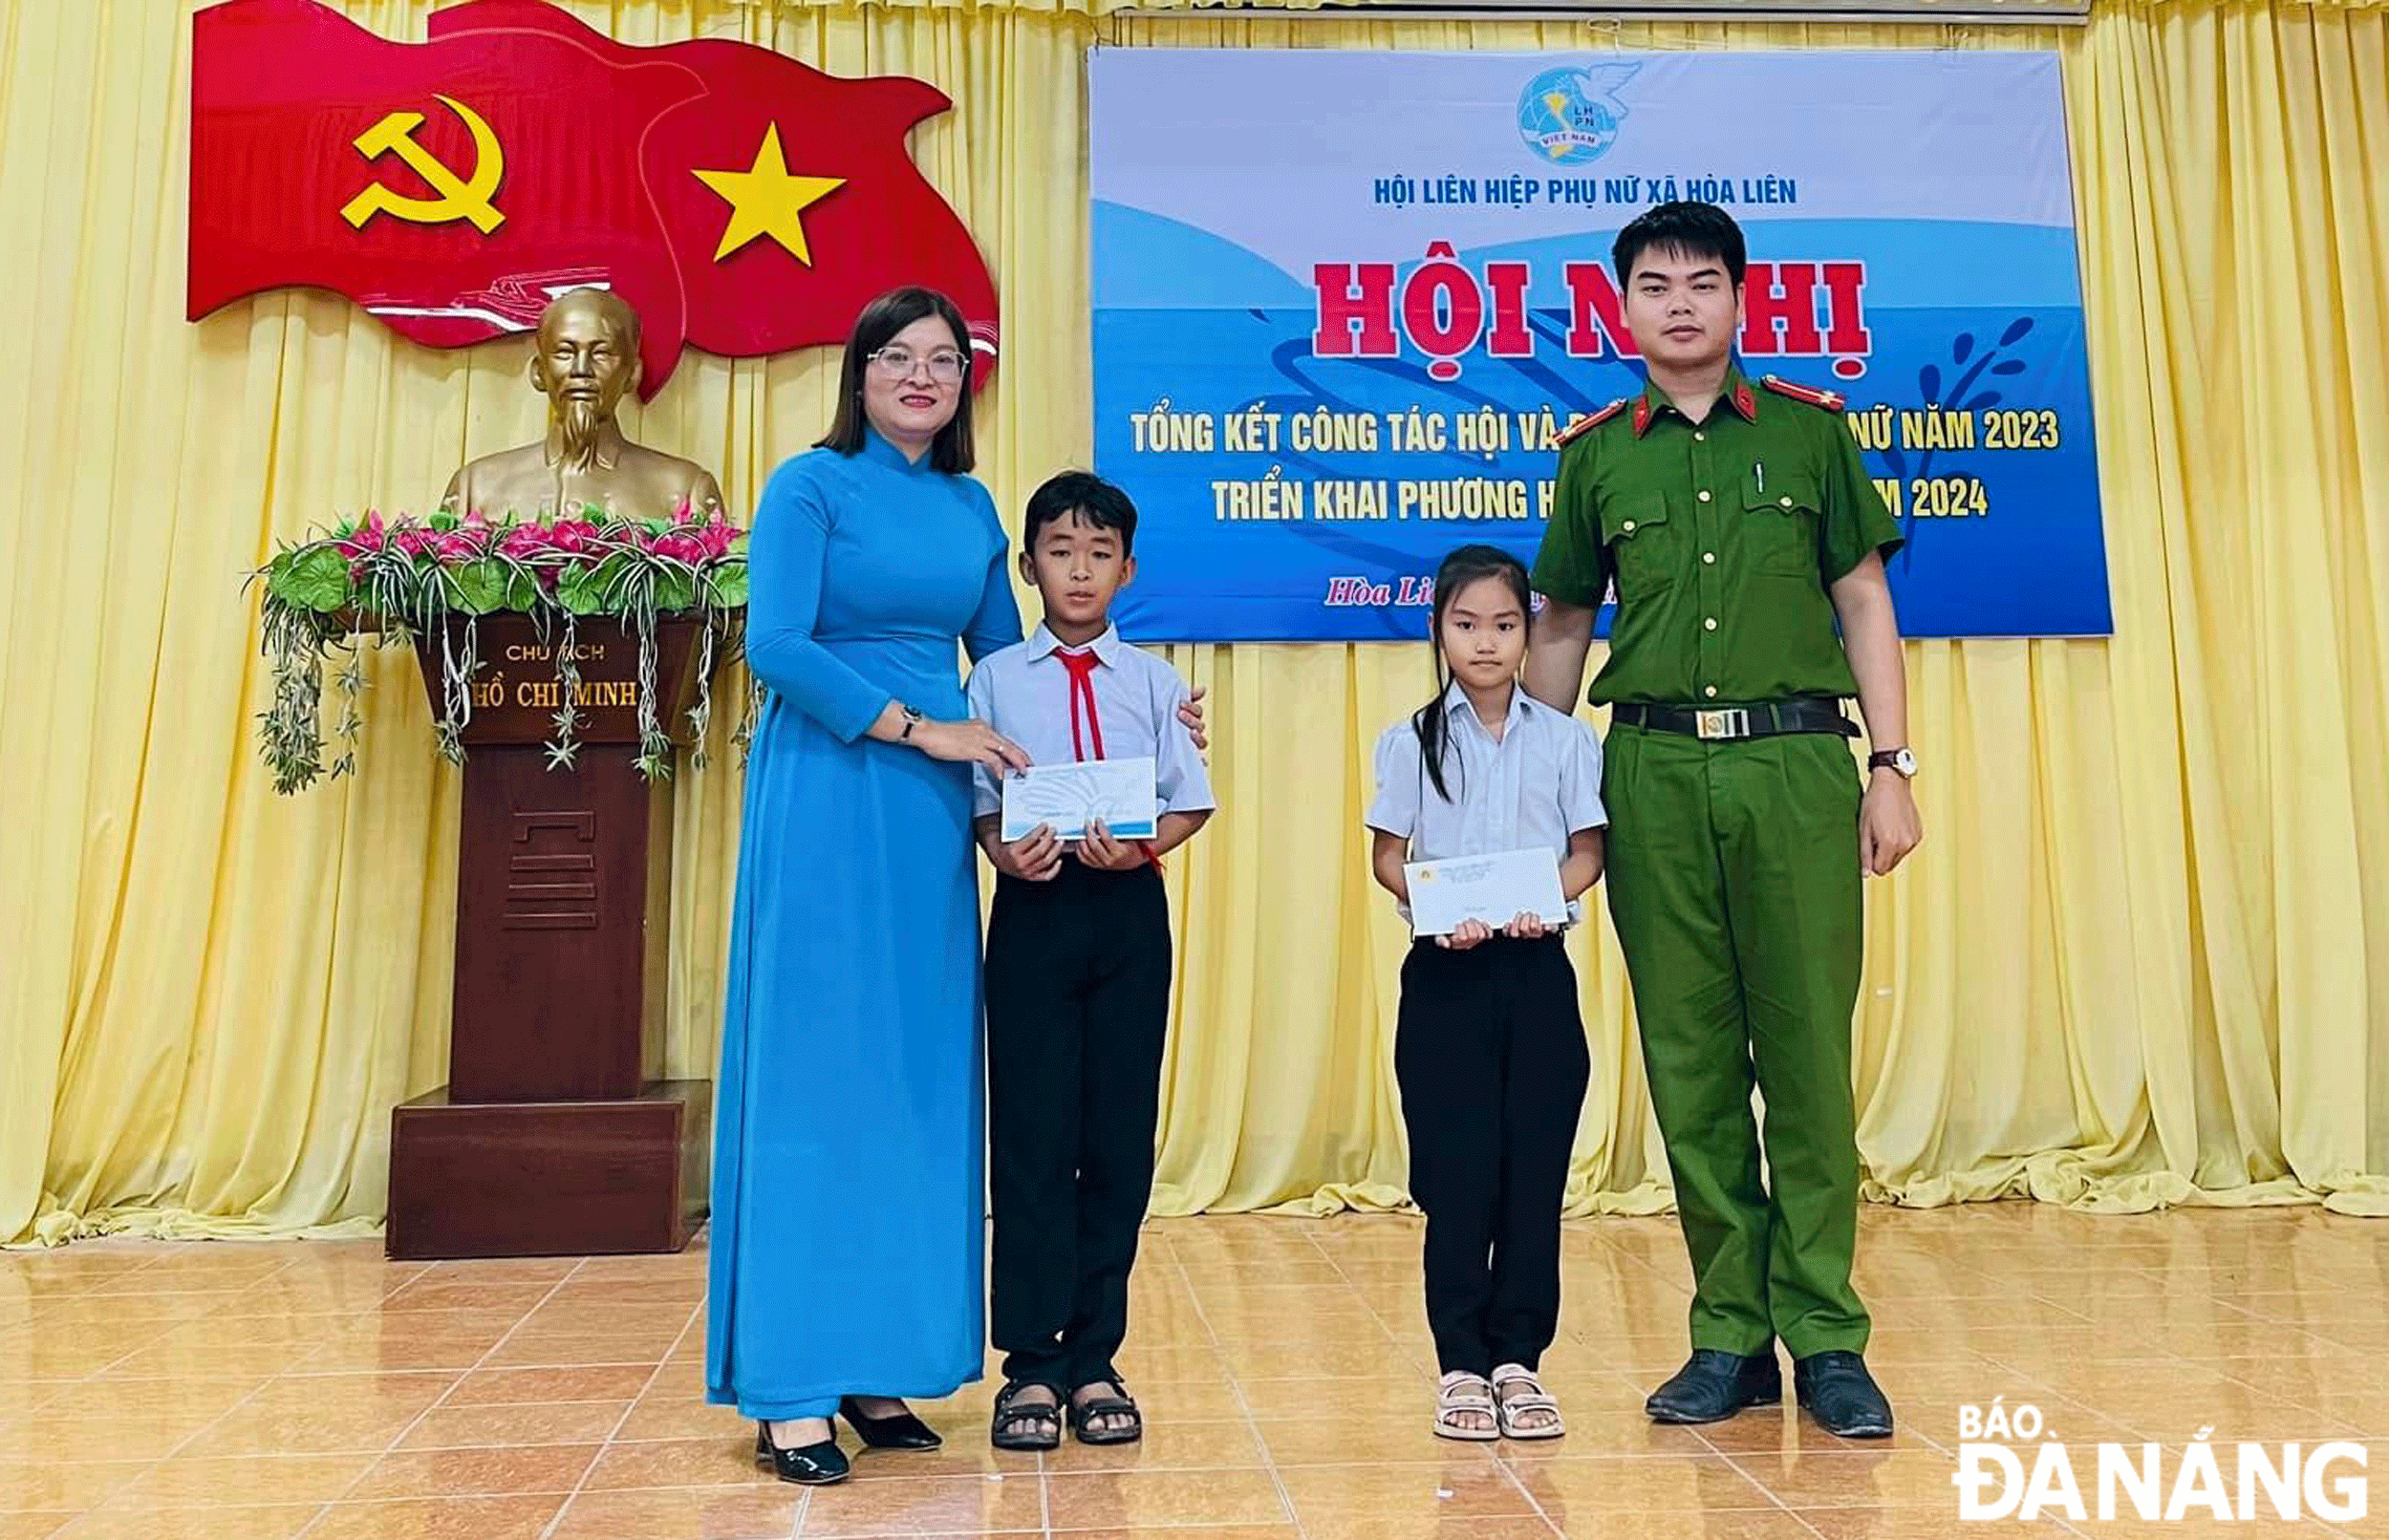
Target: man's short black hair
1694	229
1091	498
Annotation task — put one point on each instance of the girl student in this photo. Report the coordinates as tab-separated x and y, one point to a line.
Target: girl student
1489	1052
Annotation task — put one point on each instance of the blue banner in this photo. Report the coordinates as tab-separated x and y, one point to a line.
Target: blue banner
1345	300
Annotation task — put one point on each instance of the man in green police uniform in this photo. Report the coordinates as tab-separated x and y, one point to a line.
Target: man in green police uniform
1740	526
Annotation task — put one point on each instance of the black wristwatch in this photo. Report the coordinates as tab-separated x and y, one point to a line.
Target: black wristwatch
912	720
1900	761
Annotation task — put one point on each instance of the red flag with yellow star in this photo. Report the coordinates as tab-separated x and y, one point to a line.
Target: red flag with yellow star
739	201
826	209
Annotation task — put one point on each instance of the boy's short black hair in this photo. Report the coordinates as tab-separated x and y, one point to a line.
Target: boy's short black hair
1091	498
1695	229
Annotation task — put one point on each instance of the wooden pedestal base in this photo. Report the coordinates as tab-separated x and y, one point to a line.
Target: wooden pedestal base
549	1178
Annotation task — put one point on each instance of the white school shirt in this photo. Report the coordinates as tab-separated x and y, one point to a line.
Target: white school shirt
1530	790
1024	692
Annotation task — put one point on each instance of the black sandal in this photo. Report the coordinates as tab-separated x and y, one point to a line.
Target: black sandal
1084	1414
1043	1423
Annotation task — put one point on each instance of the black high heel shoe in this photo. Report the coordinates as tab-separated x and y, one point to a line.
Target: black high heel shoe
816	1464
902	1431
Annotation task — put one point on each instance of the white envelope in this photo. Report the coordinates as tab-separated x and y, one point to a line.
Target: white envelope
1120	794
1495	888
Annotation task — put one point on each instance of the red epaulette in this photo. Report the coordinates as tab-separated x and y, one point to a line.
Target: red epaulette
1583	426
1829	400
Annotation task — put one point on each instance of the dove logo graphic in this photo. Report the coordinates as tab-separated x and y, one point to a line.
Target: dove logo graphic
1569	117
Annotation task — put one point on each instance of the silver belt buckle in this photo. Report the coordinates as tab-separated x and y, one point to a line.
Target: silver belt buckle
1723	724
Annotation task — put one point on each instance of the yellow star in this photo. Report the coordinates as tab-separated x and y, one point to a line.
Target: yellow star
764	200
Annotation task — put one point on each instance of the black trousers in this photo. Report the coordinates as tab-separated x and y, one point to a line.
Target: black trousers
1490	1055
1078	1005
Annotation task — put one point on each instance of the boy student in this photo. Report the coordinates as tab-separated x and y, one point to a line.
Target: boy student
1747	545
1077	977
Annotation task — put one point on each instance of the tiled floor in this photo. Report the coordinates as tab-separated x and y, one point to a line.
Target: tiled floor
270	1392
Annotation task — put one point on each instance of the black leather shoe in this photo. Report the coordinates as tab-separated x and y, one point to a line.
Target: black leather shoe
1841	1395
816	1464
1713	1387
902	1431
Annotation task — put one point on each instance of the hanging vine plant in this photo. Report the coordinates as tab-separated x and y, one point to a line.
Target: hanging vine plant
397	581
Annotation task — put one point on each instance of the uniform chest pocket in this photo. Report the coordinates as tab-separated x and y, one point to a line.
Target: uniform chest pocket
1642	543
1780	517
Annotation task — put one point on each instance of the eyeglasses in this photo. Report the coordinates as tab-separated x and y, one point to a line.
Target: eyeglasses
945	366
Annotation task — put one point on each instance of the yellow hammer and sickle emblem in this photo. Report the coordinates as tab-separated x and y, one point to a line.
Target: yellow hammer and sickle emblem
460	198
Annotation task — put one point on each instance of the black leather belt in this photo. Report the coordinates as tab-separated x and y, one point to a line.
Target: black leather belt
1768	719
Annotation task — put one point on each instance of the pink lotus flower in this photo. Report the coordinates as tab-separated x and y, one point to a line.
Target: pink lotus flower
364	540
716	538
571	536
524	542
477	528
411	541
455	547
680	546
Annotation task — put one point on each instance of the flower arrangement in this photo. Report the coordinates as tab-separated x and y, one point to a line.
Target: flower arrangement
406	578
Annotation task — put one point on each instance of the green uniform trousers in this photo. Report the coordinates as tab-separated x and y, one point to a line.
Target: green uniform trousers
1733	878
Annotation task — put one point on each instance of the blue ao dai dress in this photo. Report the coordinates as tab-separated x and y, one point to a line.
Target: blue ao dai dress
847	1190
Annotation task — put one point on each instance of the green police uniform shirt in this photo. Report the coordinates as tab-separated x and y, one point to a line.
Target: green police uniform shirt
1723	539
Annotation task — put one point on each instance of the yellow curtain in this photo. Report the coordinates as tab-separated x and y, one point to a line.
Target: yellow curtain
2133	964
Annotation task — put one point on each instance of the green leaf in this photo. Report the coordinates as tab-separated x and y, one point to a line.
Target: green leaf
659	528
590	592
729	585
523	591
675	589
444	521
738	547
582	590
481	587
313	577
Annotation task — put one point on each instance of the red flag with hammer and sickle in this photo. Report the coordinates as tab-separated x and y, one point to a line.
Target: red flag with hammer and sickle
738	200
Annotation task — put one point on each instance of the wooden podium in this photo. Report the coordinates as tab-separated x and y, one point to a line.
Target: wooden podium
556	1134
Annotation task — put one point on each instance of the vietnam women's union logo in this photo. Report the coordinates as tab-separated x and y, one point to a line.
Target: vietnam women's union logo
1570	116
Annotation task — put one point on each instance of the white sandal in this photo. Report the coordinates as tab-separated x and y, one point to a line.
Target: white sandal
1460	1391
1529	1397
